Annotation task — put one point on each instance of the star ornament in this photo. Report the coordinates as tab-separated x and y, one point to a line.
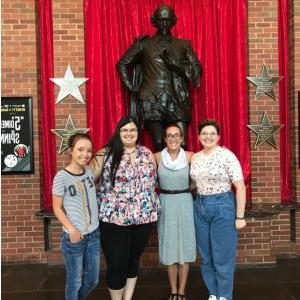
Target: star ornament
65	133
264	83
69	86
265	132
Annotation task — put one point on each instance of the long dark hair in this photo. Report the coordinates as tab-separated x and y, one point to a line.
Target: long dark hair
116	148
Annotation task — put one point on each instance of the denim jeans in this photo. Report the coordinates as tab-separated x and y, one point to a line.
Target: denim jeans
82	262
216	239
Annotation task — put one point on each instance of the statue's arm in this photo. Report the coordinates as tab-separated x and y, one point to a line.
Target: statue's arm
128	60
189	67
194	68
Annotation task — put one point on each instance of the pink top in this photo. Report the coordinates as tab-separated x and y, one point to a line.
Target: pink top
214	174
133	199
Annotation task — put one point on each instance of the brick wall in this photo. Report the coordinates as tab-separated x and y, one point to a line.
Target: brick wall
22	232
295	88
298	232
68	44
295	106
262	33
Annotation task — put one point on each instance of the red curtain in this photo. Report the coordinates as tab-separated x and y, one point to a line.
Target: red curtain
218	33
47	106
283	55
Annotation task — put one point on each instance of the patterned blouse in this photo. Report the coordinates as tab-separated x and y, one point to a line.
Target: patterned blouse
215	174
132	200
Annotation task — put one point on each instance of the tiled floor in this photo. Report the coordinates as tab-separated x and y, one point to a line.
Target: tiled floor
46	282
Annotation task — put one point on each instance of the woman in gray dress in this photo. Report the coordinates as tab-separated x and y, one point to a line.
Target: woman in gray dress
176	232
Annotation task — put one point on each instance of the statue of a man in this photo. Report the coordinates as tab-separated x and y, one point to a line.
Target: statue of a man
156	70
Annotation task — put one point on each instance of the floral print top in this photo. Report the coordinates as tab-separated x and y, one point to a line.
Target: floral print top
133	199
215	174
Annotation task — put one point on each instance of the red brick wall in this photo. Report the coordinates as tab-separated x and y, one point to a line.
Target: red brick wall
295	105
263	49
298	232
68	44
22	232
295	88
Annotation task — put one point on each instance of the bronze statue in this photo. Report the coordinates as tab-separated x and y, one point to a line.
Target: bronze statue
156	70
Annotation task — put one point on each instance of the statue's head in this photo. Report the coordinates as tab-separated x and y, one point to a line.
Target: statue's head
164	19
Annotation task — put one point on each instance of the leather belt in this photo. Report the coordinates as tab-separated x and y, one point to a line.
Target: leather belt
174	191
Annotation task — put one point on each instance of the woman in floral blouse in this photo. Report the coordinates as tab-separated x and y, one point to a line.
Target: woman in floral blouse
128	205
217	214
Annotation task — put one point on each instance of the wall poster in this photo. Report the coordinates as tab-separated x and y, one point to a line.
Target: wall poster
16	136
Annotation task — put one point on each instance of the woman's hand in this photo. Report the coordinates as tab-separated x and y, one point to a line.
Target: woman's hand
239	224
153	158
97	161
240	204
75	235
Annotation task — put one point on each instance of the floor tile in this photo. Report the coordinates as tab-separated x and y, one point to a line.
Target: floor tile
46	282
34	295
260	291
22	282
292	288
270	274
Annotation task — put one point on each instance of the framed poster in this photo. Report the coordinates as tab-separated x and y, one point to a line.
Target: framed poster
16	135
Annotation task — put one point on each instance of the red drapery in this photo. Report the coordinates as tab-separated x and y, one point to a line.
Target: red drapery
283	55
218	33
47	107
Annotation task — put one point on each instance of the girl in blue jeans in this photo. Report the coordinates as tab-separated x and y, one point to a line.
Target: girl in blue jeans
218	213
75	206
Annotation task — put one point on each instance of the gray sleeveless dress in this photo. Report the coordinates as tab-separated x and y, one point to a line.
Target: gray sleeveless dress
176	231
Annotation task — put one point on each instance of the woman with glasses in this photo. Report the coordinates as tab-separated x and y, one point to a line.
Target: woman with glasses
128	205
176	232
218	213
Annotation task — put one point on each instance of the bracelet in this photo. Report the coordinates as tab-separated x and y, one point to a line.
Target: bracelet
242	218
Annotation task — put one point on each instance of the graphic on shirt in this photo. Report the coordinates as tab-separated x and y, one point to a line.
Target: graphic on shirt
81	187
79	198
72	190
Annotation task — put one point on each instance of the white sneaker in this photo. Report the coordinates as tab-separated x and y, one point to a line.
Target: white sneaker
212	297
222	298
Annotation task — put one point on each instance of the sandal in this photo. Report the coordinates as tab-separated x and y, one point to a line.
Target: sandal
181	297
173	297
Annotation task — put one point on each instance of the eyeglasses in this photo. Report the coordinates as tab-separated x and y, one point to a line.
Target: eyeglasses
212	134
130	130
175	136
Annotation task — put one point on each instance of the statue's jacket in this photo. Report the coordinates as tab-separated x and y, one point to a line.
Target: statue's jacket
143	69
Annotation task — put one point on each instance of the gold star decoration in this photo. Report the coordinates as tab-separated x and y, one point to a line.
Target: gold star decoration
264	83
65	133
69	86
265	132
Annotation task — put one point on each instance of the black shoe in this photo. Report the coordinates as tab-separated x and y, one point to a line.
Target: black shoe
173	297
